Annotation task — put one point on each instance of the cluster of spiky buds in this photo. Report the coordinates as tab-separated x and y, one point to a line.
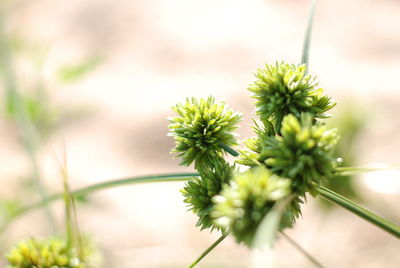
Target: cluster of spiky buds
199	192
242	205
283	89
289	156
43	253
303	152
201	129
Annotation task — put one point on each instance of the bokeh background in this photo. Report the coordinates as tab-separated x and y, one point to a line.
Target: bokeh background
99	78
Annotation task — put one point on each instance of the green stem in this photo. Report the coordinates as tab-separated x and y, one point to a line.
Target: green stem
306	45
101	186
359	211
209	249
303	251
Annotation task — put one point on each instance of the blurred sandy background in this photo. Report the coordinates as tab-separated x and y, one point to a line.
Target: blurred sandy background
154	53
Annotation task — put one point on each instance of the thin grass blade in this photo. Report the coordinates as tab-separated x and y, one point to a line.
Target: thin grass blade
307	38
359	211
101	186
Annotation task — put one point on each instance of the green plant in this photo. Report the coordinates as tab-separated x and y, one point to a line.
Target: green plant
289	158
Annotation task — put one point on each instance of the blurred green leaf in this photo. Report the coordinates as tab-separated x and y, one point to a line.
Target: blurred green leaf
9	207
38	110
350	121
262	252
74	72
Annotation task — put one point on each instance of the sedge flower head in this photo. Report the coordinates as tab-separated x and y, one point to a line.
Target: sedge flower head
303	152
199	192
283	89
243	203
200	129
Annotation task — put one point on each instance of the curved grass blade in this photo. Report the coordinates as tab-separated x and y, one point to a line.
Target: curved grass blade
101	186
307	38
209	249
359	211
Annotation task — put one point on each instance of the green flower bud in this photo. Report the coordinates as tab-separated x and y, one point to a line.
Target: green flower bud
199	130
283	89
199	192
302	153
43	253
243	204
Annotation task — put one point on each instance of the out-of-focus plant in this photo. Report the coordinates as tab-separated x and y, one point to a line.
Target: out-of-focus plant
73	251
73	72
350	120
28	107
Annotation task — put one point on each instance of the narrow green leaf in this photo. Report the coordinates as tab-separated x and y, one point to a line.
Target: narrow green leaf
359	211
306	45
209	249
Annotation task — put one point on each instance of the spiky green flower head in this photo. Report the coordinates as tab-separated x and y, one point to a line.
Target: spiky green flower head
283	89
43	253
303	152
243	203
201	129
199	192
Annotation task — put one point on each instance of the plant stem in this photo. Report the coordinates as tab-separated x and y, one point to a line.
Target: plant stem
359	211
101	186
303	251
306	45
209	249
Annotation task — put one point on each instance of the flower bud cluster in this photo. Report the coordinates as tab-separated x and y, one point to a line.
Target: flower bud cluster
290	154
43	253
283	89
242	205
200	129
